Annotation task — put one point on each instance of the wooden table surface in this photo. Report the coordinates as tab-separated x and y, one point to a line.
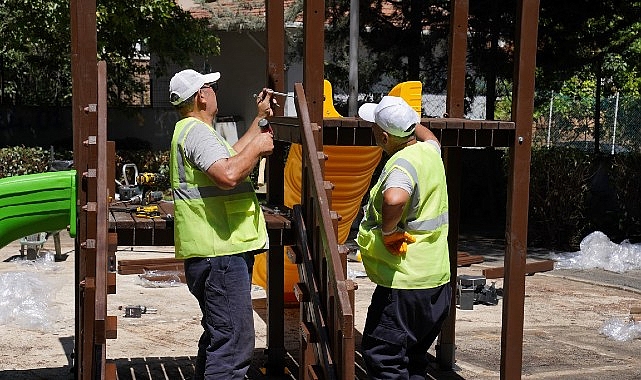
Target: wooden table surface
134	230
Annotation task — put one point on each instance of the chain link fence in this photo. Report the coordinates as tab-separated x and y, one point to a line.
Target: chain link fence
570	122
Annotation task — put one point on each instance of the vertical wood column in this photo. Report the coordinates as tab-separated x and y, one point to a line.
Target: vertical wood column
452	159
518	190
275	27
313	58
84	74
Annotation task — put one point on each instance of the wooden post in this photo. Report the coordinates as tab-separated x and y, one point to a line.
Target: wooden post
518	190
452	157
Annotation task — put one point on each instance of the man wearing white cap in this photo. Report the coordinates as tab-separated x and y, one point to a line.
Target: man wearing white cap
403	244
219	224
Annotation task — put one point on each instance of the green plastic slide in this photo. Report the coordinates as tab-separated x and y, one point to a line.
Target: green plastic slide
33	203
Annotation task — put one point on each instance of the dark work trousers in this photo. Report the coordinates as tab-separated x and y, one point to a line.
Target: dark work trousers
401	326
222	286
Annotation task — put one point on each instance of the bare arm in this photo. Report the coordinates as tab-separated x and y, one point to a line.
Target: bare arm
394	200
227	173
424	134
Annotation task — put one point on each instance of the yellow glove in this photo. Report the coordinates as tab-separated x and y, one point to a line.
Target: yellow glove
396	242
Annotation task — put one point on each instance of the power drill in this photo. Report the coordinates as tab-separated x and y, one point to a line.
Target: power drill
149	179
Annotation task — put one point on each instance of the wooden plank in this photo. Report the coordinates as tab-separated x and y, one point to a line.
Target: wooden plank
110	370
160	260
147	268
111	283
141	270
530	269
465	259
112	327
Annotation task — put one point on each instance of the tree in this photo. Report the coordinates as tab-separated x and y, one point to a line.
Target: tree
35	59
403	40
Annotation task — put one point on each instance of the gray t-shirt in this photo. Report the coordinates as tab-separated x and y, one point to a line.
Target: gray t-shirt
400	179
203	146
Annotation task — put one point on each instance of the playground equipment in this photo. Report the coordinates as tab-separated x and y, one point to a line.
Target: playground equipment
348	168
327	297
33	203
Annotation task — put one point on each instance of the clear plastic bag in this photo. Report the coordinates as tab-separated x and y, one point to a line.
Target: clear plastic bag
26	301
160	278
621	330
597	251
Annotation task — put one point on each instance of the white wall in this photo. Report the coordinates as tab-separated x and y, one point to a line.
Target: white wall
242	65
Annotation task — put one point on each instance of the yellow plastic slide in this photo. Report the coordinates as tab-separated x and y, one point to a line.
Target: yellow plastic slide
349	168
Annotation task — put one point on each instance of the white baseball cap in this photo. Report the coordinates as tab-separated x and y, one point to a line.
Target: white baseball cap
392	114
185	83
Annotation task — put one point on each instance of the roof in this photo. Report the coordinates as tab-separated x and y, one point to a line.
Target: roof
234	14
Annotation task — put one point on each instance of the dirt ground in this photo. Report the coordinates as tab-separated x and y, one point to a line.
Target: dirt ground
562	339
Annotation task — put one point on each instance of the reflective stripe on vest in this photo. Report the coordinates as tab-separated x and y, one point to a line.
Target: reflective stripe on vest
188	193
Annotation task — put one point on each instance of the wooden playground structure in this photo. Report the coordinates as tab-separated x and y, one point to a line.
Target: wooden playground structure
310	230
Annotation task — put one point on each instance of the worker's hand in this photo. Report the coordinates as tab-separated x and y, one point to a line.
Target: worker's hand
396	241
265	143
263	103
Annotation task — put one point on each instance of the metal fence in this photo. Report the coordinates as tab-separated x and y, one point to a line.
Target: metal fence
570	122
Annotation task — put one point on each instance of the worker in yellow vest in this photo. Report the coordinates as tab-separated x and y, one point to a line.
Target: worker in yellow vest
403	244
219	224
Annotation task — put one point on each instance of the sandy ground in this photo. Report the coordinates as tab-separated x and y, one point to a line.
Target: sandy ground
562	338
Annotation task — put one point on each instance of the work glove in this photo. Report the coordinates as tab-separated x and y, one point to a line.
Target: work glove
396	241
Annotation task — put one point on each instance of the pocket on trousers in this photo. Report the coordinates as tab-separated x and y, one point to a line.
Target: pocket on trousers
388	328
241	216
390	335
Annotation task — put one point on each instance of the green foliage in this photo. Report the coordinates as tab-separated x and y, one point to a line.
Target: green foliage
573	193
392	47
558	193
574	35
36	51
20	160
626	181
576	105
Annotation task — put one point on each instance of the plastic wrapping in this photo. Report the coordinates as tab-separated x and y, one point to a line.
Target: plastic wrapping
160	278
597	251
44	262
26	301
621	330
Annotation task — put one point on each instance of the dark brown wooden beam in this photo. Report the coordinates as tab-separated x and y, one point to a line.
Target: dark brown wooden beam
451	132
313	57
530	269
518	190
451	141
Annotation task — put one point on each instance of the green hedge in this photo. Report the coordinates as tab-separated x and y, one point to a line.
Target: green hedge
20	160
574	193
